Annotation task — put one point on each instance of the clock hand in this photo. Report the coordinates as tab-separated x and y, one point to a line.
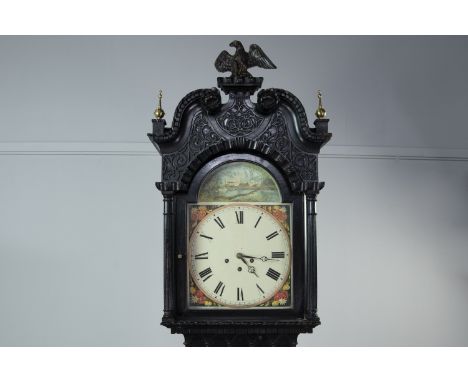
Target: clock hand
248	257
263	258
250	268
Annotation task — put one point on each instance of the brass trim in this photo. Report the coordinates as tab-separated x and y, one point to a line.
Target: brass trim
159	112
320	113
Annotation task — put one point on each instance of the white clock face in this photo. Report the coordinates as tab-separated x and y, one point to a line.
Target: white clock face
239	255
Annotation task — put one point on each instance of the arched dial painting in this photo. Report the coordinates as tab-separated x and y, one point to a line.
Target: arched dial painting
240	183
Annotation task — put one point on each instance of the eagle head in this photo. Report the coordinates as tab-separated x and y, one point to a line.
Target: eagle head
236	44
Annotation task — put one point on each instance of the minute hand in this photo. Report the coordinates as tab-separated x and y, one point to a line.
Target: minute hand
263	258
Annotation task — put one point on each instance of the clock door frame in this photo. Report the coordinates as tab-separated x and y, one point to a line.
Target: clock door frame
296	200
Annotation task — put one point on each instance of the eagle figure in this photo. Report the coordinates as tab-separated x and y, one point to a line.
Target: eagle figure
240	61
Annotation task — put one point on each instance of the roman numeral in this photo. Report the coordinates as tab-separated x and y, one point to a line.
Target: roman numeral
219	222
258	221
206	272
240	217
240	294
277	255
260	289
219	287
272	235
202	256
206	237
273	274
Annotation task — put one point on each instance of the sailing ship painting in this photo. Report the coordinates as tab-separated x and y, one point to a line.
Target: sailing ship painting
239	182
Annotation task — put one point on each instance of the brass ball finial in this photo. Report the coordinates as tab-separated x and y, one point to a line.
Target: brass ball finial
320	113
159	112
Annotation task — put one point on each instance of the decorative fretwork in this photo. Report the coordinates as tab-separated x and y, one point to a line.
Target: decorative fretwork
239	120
277	137
201	137
204	139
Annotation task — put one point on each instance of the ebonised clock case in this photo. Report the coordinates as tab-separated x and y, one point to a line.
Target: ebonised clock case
285	145
184	312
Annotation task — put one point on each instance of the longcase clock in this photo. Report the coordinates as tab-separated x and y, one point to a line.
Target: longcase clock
239	182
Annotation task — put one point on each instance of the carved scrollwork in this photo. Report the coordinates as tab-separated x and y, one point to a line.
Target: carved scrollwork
211	100
184	103
306	165
201	136
267	101
277	137
174	164
275	143
296	105
239	120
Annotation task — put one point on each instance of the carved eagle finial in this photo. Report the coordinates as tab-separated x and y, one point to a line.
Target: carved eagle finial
240	61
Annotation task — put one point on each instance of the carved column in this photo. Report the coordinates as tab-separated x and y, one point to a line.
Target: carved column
311	191
169	263
311	258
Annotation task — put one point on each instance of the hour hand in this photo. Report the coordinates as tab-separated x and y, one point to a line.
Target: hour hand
250	268
244	261
241	256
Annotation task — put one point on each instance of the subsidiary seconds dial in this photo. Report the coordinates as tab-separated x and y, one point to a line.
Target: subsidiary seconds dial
239	255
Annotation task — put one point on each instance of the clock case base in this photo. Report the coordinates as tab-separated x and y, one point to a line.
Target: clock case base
286	144
254	333
241	340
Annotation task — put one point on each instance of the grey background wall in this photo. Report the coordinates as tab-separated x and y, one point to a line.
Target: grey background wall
81	221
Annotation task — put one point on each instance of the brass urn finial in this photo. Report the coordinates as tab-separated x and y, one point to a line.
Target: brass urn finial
159	112
320	113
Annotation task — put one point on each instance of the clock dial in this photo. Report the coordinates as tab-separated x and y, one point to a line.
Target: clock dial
239	255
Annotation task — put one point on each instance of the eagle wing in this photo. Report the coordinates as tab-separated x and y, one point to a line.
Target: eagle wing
257	57
224	62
